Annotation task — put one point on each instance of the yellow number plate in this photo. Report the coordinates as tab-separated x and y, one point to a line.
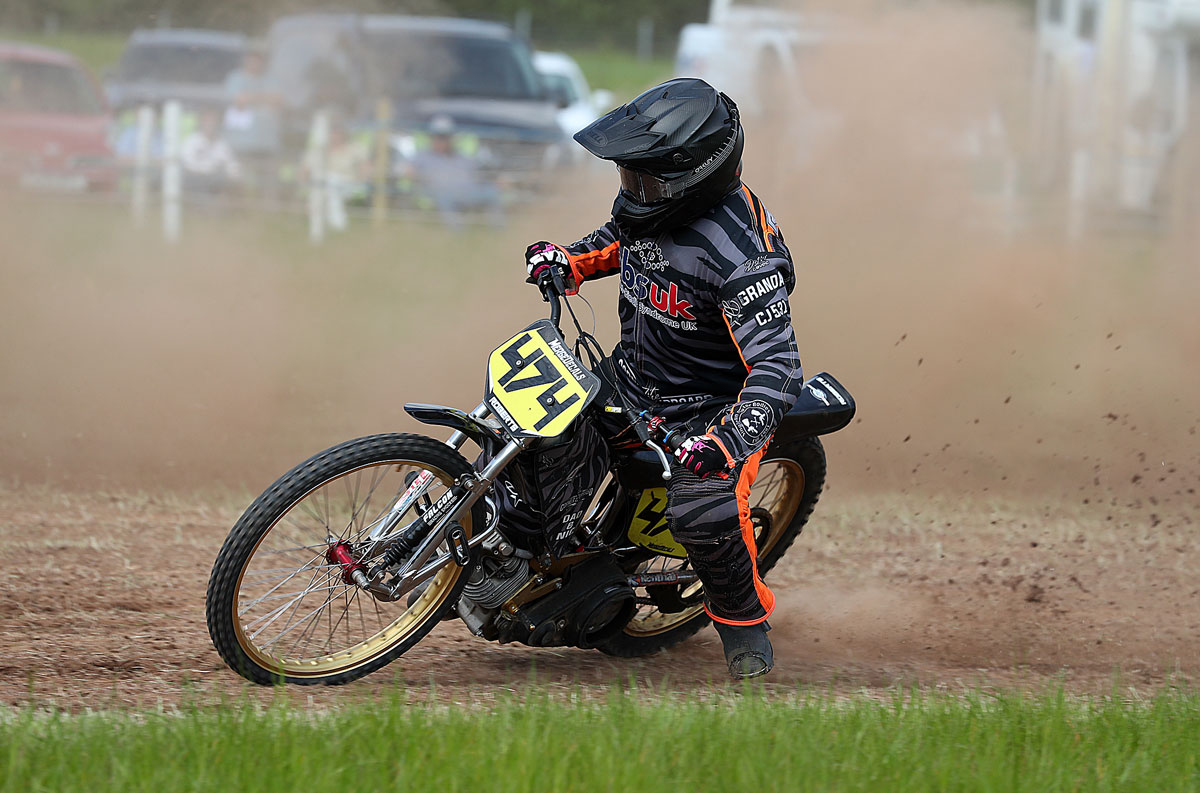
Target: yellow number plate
536	387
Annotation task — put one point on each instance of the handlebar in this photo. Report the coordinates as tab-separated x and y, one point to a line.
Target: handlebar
650	429
553	289
654	435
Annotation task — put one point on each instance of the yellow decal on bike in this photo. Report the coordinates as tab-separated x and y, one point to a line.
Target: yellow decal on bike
535	385
649	525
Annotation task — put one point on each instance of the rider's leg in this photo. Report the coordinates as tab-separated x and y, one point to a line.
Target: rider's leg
710	518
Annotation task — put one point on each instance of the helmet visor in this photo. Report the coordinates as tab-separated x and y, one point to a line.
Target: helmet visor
645	188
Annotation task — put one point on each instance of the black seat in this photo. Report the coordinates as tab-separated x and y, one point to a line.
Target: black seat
824	406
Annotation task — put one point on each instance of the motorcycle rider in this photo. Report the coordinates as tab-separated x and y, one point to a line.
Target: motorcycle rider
706	336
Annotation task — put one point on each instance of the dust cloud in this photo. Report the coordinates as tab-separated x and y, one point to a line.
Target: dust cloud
987	355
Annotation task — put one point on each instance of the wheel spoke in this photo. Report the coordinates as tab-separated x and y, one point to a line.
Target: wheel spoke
278	611
376	480
275	551
318	625
302	592
293	623
297	572
777	489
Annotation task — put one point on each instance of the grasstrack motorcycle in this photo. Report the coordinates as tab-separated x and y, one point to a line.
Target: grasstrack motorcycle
352	557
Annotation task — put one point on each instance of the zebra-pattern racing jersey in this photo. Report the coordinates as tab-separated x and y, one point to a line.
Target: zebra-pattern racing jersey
705	319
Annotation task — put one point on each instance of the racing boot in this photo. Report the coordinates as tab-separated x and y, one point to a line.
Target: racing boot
747	649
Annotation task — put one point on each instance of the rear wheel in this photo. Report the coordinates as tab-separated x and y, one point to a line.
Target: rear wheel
279	606
789	482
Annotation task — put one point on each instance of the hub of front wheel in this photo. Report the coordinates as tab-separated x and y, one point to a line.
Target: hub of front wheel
353	571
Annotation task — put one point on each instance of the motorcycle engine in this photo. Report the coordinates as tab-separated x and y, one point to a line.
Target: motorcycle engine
494	581
593	604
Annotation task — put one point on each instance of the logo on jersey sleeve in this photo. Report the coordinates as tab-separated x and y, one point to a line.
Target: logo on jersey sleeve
733	311
777	310
763	286
752	421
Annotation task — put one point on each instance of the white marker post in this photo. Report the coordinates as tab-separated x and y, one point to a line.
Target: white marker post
1078	188
172	175
318	181
1010	200
381	160
142	141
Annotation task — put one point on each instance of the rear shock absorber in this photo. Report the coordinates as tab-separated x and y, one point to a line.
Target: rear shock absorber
402	547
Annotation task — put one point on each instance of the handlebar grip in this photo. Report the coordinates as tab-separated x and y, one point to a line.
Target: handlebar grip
672	439
548	285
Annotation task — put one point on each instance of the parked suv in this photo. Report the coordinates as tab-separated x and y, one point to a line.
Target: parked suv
479	74
188	65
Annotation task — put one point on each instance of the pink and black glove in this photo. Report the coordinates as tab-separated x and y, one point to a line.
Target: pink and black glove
701	455
541	256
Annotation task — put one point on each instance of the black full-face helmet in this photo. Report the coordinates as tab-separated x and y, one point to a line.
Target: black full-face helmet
678	149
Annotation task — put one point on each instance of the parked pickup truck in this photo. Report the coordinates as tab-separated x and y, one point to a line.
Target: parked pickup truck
749	51
478	74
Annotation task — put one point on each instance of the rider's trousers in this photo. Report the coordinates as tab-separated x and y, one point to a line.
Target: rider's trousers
709	517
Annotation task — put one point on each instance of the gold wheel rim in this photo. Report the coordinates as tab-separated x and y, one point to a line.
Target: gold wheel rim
778	488
388	635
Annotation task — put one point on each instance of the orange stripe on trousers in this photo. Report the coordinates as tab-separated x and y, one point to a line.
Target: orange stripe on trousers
765	596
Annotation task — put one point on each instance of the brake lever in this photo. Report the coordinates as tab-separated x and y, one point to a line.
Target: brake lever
662	458
644	426
560	284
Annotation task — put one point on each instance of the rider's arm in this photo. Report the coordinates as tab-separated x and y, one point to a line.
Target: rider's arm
754	302
596	255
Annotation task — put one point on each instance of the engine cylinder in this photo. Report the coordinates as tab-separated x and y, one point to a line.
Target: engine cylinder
494	581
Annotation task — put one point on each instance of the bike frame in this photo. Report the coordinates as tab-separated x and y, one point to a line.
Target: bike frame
466	492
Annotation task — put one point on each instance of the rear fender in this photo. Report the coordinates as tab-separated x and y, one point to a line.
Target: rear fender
824	406
478	430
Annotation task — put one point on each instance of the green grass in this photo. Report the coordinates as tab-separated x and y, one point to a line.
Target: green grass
99	51
744	743
621	72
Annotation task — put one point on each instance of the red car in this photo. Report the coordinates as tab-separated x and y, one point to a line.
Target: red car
53	122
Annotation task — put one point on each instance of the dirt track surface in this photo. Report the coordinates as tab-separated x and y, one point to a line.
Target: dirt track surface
1014	504
102	606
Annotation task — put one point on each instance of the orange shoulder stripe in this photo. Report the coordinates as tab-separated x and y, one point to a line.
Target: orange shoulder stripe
758	213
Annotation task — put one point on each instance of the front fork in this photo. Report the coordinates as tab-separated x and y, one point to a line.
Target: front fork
460	498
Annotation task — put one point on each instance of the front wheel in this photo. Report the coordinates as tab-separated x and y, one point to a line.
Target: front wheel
279	607
783	496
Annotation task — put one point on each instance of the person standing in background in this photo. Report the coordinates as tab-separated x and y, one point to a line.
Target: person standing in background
252	121
452	180
346	171
209	165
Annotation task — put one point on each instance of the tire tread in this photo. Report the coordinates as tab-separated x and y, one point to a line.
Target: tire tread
280	496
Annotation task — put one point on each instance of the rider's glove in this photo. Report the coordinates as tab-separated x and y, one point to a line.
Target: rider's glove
541	256
701	455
